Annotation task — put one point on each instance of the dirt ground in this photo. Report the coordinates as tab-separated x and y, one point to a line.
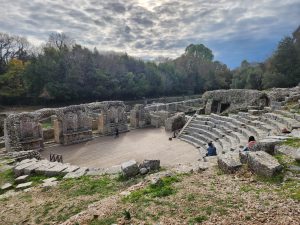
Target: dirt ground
148	143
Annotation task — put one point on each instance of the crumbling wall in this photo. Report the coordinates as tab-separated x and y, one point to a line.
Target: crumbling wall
233	100
72	124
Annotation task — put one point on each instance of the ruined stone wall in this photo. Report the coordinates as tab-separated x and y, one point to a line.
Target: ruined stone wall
233	100
183	106
71	124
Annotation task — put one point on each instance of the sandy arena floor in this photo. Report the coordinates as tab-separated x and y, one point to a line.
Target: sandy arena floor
149	143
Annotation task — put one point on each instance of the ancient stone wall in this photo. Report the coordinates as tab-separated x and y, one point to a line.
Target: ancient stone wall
233	100
72	124
183	106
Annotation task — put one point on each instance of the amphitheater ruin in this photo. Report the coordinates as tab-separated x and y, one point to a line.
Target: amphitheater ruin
84	133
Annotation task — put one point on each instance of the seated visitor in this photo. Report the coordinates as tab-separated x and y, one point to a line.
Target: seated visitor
211	150
251	143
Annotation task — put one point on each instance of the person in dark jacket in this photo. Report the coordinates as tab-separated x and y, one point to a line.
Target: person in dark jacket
116	133
211	150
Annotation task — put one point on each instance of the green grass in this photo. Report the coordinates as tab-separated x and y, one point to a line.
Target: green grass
198	219
46	125
6	176
105	221
292	142
162	189
291	189
87	185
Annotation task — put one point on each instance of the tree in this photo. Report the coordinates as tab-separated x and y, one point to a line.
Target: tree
60	41
11	82
199	51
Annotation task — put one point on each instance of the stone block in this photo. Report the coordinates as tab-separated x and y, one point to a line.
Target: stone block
263	164
6	186
266	145
49	184
51	179
288	150
143	171
78	173
56	170
23	185
151	165
211	159
31	169
71	168
229	163
130	168
45	167
114	169
19	170
21	179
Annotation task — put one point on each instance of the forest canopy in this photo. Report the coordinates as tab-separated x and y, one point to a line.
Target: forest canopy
63	71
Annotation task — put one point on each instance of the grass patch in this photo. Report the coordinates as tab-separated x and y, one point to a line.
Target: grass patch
198	219
292	142
47	125
87	185
162	189
291	189
6	176
277	179
104	221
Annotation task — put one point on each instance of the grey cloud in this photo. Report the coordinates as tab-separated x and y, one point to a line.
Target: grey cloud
165	27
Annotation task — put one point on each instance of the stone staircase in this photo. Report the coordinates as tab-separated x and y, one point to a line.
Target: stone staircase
230	133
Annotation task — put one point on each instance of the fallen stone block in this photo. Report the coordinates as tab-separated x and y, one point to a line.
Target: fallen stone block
49	184
243	156
56	170
96	172
71	169
263	164
78	173
23	185
266	145
31	169
51	179
229	163
6	186
130	168
143	171
151	165
21	179
288	150
114	169
45	167
19	170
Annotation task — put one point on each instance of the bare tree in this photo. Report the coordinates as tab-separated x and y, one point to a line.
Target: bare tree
60	41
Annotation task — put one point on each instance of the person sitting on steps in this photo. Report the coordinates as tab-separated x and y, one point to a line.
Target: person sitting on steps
251	143
211	150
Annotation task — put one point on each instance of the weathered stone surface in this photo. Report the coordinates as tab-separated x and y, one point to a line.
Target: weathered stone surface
229	163
175	122
211	159
51	179
288	150
19	170
96	172
78	173
24	185
45	167
49	184
6	186
70	168
22	155
263	164
143	171
231	100
31	169
243	156
21	179
130	168
267	145
56	170
151	165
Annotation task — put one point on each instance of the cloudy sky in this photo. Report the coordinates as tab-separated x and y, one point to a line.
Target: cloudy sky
233	29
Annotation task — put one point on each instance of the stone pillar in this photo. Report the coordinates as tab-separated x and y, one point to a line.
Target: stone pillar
58	133
102	123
